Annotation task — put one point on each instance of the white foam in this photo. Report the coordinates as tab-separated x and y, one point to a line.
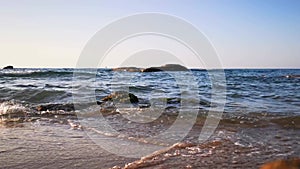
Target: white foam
12	109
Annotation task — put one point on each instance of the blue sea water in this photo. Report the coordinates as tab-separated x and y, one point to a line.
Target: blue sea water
247	90
260	120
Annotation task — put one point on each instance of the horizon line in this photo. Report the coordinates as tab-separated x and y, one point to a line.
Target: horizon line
198	68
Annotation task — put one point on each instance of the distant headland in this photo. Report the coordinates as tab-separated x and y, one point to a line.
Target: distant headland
8	67
167	67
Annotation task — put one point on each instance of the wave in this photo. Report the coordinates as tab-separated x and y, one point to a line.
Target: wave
35	73
57	86
32	96
26	86
250	90
12	112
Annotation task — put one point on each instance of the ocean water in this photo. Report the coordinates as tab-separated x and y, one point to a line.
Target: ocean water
257	90
260	121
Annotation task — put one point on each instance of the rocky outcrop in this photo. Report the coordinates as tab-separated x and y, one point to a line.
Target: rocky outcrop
167	67
127	69
122	97
8	67
108	103
152	69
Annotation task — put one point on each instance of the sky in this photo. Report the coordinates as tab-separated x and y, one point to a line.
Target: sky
244	33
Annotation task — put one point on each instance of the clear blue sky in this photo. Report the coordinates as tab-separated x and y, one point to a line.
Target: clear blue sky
245	33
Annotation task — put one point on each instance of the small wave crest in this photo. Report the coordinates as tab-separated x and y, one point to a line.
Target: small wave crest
33	95
35	73
11	111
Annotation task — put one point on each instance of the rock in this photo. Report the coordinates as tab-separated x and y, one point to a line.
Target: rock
121	96
127	69
167	67
283	164
8	67
153	69
173	101
110	103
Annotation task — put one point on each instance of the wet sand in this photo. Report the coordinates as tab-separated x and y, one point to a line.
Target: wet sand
44	144
55	146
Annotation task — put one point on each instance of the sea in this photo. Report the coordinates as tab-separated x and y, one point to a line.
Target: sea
167	119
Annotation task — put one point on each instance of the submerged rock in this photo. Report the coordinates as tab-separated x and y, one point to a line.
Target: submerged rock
167	67
121	97
8	67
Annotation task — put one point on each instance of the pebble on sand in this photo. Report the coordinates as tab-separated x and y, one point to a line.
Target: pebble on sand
283	164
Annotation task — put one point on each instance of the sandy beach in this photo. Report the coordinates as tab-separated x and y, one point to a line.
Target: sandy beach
50	147
44	144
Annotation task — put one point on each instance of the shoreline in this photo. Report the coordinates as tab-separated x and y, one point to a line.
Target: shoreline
45	144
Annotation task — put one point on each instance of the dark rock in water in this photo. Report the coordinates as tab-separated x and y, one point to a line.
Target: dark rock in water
8	67
283	164
121	96
108	103
153	69
174	101
55	107
167	67
128	69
